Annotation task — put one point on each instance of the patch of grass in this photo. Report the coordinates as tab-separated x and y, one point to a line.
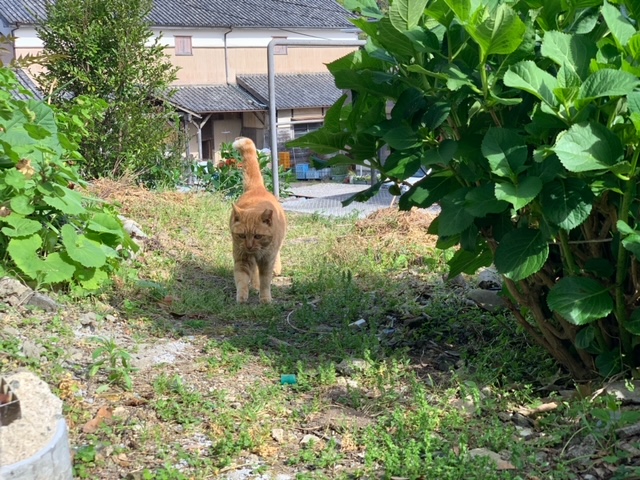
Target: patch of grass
409	394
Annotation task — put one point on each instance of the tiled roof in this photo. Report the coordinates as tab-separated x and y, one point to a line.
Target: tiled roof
28	84
214	98
294	91
215	13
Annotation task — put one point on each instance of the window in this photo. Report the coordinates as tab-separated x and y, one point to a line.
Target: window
183	45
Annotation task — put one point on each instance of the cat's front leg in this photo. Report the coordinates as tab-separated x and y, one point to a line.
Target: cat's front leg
266	275
243	279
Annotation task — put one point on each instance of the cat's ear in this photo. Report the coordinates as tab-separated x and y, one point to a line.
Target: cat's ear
236	213
267	216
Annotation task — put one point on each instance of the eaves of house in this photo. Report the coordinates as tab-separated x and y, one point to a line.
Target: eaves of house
322	14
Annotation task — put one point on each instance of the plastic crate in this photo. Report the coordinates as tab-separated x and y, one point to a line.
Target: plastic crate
312	174
301	171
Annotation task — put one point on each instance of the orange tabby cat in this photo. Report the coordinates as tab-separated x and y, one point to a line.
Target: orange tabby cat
258	226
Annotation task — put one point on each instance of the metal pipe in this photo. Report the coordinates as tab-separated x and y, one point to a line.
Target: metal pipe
271	73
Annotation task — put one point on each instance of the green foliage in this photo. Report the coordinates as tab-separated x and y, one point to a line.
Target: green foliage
527	112
99	48
114	360
226	177
51	232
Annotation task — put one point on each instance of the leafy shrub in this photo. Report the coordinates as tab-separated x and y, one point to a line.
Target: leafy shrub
52	232
226	176
527	112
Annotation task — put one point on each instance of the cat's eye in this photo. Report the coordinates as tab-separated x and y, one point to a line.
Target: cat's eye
257	237
242	236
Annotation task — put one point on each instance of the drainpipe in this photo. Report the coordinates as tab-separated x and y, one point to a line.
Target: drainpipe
271	73
226	55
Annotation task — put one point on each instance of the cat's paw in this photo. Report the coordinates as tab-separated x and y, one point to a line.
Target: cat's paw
265	299
242	298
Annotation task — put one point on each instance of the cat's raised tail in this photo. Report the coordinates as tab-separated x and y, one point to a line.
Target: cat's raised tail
250	165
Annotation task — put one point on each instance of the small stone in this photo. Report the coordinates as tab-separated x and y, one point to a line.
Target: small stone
457	281
500	463
504	416
110	318
32	350
489	300
88	319
521	421
624	394
309	438
13	292
278	434
489	279
10	332
346	382
350	366
43	302
525	433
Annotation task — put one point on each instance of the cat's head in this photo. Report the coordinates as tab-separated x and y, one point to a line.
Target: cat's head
252	229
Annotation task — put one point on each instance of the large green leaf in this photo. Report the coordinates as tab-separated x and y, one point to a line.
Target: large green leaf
621	28
461	8
572	52
482	201
464	261
322	141
56	269
580	300
441	155
64	199
24	253
521	253
529	77
567	203
499	33
506	152
402	138
428	191
81	249
401	164
608	83
19	226
519	195
22	204
588	147
454	217
406	14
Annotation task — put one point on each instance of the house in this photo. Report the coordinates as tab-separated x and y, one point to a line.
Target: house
221	49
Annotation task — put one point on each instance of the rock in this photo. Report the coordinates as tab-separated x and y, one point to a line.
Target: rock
466	404
521	421
10	332
525	432
88	319
32	350
487	299
457	281
13	292
351	366
622	393
489	279
309	438
43	302
278	434
582	450
132	228
346	382
500	463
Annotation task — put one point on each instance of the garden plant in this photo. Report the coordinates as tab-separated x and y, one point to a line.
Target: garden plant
52	233
527	113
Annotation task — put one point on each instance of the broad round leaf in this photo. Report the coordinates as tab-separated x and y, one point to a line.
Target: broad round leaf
567	203
521	253
588	147
571	52
20	226
464	261
24	253
66	200
608	83
632	325
527	76
506	152
22	204
82	250
519	195
498	34
454	217
482	201
580	300
406	14
56	269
